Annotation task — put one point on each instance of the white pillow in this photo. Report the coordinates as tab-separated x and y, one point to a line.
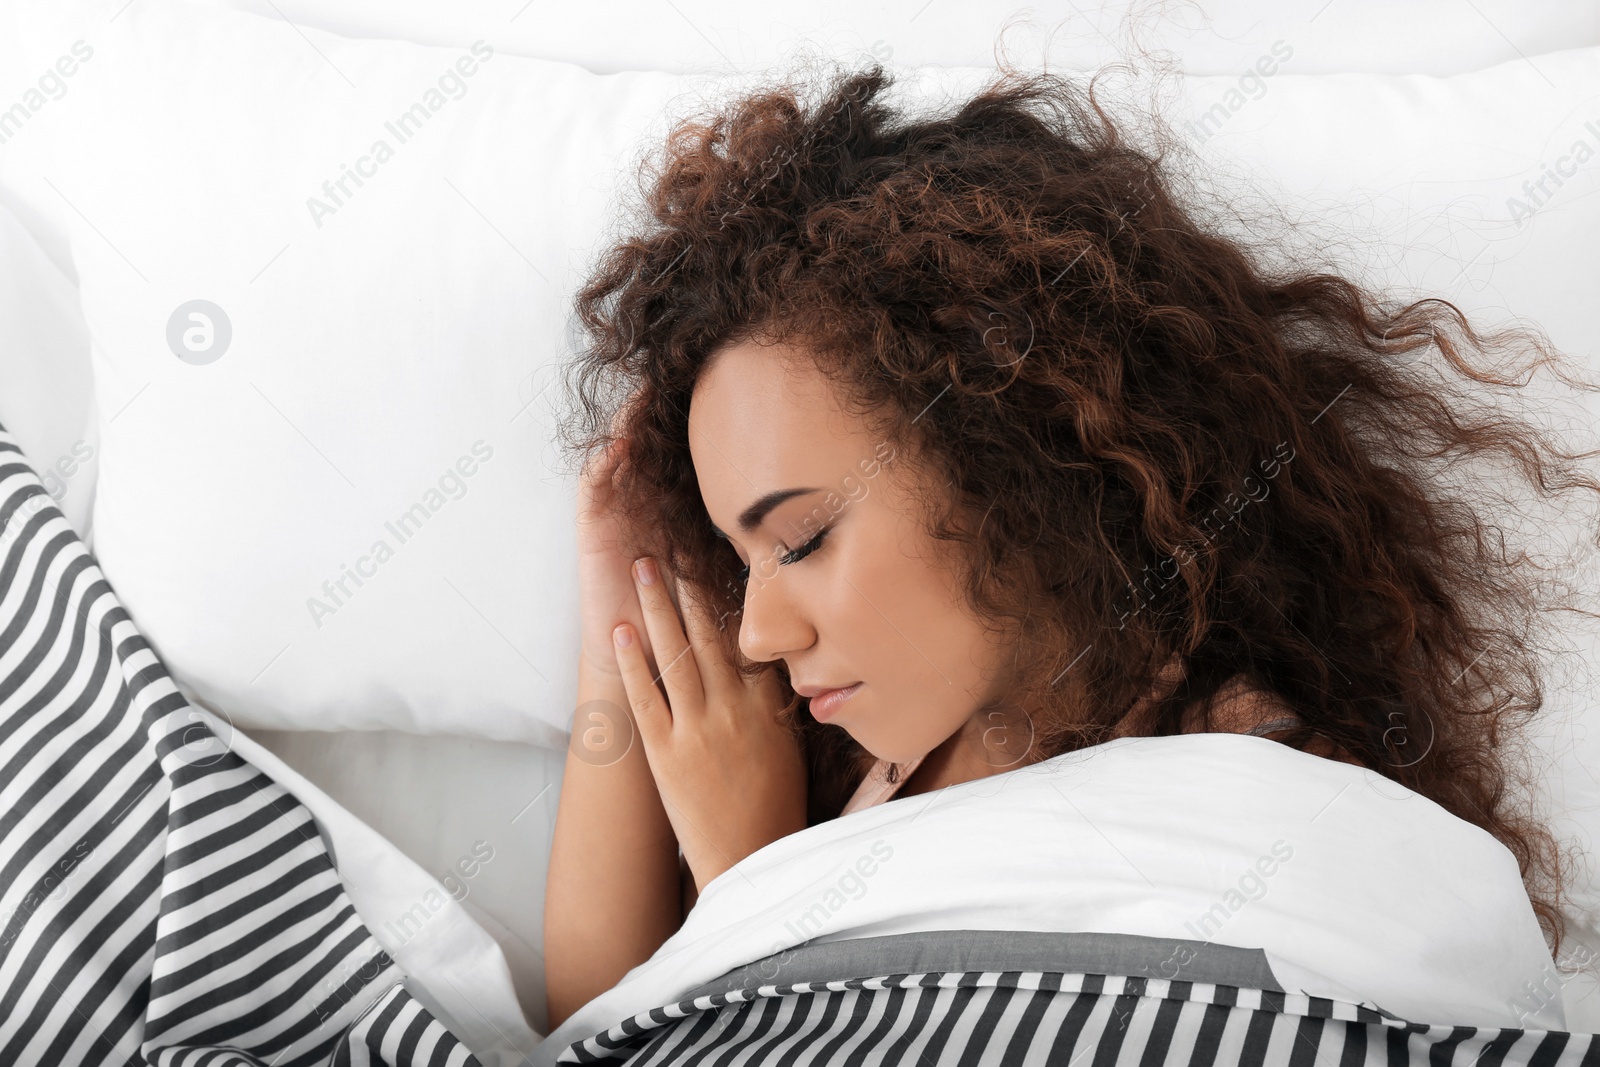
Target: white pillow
45	382
349	519
1207	36
1213	37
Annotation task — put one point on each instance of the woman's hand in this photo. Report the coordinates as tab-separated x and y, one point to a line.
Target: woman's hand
731	775
605	562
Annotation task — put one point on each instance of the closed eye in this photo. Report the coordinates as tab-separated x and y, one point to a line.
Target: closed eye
792	557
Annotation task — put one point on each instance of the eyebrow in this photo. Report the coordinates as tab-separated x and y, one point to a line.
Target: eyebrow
752	517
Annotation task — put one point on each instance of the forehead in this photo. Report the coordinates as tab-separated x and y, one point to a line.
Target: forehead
763	417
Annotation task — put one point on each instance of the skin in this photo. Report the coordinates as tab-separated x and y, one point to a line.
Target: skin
878	600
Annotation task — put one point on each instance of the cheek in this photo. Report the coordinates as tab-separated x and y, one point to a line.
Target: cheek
908	633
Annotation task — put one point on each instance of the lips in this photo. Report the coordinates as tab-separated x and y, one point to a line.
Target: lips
826	702
814	691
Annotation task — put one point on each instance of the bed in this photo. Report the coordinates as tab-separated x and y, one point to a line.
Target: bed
232	497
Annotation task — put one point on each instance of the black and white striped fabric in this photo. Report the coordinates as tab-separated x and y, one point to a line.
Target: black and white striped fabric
1003	1017
162	901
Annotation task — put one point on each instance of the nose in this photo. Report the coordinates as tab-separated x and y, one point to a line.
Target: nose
772	623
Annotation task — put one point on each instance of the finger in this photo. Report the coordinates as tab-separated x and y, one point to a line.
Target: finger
631	611
680	671
651	712
705	637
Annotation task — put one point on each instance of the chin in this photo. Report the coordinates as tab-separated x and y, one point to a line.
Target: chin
885	749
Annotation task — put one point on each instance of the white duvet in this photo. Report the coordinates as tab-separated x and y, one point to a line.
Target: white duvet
1354	887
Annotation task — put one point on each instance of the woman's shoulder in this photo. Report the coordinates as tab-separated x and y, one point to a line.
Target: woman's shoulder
1242	707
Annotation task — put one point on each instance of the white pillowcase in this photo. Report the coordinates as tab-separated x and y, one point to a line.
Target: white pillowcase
354	517
45	382
1207	36
349	519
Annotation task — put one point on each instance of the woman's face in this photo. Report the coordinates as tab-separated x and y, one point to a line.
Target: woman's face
873	603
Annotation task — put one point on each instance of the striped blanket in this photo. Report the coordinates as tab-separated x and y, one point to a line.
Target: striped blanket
1000	998
162	901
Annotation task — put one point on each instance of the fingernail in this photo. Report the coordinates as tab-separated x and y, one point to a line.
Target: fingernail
646	568
622	636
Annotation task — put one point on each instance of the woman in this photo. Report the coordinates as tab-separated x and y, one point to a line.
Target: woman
948	444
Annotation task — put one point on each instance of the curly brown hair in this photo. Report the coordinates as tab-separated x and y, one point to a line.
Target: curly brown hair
1148	445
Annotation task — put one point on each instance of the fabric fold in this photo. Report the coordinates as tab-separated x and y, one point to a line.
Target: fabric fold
163	900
